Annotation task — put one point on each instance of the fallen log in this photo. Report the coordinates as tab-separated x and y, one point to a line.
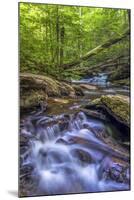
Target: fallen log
96	50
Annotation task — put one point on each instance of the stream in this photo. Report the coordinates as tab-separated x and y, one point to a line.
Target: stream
100	79
103	86
60	151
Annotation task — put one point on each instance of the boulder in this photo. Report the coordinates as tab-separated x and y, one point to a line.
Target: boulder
94	114
117	106
26	169
118	173
83	156
62	141
31	98
24	140
78	90
35	90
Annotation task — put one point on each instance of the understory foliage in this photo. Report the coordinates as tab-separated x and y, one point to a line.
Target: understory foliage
53	35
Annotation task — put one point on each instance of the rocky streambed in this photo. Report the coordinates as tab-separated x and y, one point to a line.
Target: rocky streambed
78	143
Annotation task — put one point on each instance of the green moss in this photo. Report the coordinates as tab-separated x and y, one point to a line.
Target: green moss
51	86
32	98
96	101
119	105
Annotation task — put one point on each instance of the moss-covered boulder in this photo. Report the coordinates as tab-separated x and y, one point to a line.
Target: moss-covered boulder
49	85
31	98
78	90
116	105
34	89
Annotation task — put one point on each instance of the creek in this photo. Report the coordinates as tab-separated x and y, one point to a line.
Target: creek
60	151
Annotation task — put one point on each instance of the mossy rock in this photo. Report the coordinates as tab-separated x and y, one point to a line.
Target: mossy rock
32	98
35	89
49	85
115	105
78	90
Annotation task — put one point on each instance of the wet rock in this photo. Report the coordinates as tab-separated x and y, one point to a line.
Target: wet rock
64	123
117	173
115	105
28	127
99	132
28	185
62	101
24	140
82	155
81	116
78	90
26	169
62	141
23	149
50	86
116	108
66	89
94	114
21	160
126	144
32	99
35	90
42	152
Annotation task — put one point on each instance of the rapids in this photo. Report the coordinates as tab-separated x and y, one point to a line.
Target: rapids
103	86
100	79
66	156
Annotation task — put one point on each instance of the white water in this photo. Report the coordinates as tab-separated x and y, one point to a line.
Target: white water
101	82
59	165
100	79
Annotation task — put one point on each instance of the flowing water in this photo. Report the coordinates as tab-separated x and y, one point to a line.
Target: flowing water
103	86
100	79
65	153
65	156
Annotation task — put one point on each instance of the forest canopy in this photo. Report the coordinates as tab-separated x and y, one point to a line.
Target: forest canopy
53	35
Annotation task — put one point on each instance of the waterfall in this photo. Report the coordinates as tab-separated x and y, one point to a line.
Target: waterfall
101	79
67	157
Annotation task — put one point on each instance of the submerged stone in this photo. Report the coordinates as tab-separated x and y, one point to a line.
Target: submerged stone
82	155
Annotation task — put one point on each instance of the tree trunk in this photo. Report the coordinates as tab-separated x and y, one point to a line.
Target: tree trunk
62	30
51	42
57	33
80	41
120	60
